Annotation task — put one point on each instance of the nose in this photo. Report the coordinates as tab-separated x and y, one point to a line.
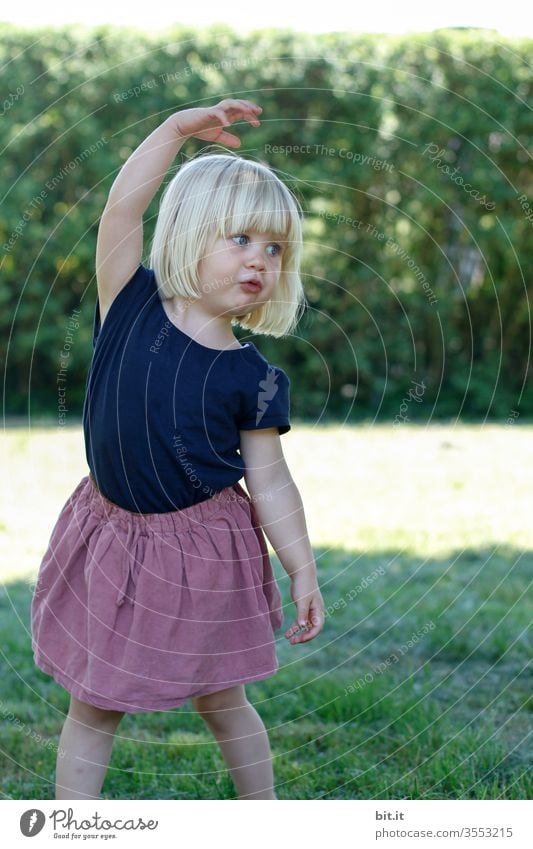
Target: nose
255	257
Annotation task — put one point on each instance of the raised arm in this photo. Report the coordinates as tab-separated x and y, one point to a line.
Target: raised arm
120	233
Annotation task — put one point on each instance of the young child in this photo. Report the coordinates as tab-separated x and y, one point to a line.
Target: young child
157	586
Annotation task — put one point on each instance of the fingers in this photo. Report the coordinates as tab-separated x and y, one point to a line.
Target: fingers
306	634
229	140
234	109
240	104
222	115
302	634
294	628
209	123
310	633
309	620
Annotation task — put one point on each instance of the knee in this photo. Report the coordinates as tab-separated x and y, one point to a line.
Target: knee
220	705
94	717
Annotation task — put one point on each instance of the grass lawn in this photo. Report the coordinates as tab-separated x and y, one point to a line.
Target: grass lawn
419	686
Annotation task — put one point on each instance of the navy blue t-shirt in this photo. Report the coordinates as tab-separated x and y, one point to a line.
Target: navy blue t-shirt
162	412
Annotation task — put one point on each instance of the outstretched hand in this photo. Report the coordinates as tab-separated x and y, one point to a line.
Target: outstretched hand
208	123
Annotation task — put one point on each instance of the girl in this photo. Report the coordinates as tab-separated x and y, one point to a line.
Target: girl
156	586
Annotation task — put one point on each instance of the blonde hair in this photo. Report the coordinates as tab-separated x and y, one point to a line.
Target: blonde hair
221	194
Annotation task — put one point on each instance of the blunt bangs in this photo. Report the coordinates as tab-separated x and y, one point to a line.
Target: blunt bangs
251	199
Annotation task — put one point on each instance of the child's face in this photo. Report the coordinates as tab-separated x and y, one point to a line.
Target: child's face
230	261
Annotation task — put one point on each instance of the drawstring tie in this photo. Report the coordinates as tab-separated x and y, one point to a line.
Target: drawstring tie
130	565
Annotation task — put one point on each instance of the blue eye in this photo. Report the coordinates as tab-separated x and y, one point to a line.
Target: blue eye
271	245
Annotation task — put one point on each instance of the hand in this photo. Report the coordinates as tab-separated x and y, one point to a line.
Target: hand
208	123
309	611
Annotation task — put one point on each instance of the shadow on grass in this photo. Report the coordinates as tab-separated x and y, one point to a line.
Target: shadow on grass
417	688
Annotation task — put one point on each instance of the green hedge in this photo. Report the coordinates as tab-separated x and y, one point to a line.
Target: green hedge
409	156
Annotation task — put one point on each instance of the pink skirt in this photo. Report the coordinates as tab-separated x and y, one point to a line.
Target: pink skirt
140	612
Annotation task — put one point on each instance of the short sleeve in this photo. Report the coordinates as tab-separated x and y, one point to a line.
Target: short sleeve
267	401
129	300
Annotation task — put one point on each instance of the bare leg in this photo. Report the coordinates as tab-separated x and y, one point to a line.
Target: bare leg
243	740
84	750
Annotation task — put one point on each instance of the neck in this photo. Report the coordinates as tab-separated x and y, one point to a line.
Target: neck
213	331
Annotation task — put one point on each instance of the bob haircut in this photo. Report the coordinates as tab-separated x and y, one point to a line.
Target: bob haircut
223	194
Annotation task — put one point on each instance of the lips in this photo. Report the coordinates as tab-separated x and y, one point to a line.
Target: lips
252	285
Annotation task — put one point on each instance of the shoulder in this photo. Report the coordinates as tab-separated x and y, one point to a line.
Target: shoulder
141	281
263	368
136	292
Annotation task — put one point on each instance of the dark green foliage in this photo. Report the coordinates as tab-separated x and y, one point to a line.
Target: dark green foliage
428	279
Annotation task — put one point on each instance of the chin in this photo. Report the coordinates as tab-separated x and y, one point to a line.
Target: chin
246	309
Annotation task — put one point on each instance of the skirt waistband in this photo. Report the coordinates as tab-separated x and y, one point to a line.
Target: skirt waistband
176	520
